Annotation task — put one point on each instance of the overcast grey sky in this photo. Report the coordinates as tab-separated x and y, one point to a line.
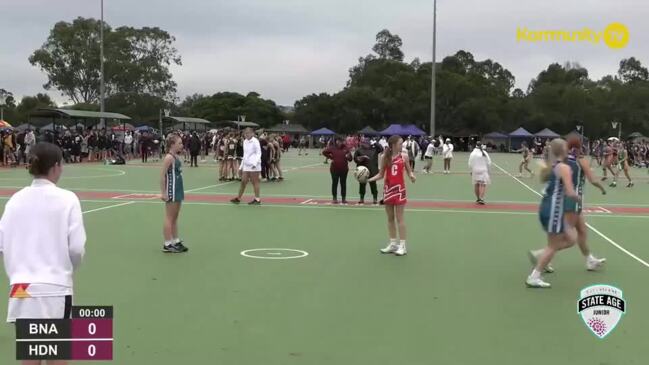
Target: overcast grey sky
285	49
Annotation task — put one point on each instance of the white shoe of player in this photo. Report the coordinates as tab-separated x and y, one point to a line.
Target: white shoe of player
536	283
391	248
401	251
594	265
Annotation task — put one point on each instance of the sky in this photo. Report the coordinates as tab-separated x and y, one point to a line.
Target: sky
287	49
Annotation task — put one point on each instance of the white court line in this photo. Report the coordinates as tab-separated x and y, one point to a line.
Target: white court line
605	210
615	244
307	201
108	207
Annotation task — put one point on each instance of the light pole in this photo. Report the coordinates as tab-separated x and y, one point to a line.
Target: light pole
433	71
3	98
101	62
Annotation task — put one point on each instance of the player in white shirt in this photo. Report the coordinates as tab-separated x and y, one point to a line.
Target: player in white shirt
447	153
42	242
479	163
250	166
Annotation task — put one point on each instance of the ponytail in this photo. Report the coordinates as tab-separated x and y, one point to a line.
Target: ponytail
387	154
558	150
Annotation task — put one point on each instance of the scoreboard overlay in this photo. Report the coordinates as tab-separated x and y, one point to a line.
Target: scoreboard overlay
87	335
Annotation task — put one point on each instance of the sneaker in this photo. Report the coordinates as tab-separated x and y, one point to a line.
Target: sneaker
536	283
481	202
630	185
594	265
235	201
344	202
613	184
534	259
361	203
181	247
401	251
335	202
392	248
255	202
171	249
376	202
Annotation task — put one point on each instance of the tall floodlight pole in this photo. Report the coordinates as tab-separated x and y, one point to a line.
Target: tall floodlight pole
102	89
433	72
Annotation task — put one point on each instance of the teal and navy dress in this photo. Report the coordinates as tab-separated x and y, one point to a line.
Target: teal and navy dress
578	182
552	209
175	191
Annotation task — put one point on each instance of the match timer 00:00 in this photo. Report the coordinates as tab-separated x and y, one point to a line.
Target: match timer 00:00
88	335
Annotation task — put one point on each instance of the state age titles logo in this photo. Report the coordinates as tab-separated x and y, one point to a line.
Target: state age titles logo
601	307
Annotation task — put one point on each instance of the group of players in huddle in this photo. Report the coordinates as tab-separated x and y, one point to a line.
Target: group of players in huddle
228	152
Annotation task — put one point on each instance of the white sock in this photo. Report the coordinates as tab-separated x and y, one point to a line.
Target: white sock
590	257
402	243
393	241
537	253
169	243
176	240
535	274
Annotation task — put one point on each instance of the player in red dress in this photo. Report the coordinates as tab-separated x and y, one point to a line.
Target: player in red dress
394	192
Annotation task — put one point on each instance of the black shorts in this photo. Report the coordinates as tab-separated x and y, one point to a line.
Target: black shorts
428	158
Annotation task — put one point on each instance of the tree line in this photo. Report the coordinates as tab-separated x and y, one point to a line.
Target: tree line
473	96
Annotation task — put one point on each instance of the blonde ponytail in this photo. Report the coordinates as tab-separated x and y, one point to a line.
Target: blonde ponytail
558	151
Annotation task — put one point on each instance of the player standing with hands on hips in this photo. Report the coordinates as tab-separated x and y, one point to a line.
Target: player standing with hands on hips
172	193
42	242
250	166
394	193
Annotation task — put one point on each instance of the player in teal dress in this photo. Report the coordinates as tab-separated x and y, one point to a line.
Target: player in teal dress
560	233
172	193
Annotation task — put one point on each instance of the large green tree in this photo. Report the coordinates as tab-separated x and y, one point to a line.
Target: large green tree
227	106
137	60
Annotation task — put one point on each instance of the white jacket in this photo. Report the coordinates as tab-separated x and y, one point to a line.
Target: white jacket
447	150
251	155
42	238
479	163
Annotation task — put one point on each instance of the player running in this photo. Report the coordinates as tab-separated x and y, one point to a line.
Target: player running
172	193
527	157
581	173
608	158
394	193
622	165
560	233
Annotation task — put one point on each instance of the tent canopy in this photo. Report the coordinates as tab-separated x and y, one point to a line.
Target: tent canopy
50	127
76	114
368	131
521	133
238	125
496	135
143	128
547	133
288	128
323	132
402	130
635	135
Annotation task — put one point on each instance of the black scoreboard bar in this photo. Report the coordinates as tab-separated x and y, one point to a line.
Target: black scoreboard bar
88	335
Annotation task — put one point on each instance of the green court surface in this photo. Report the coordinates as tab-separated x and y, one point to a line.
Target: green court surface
457	298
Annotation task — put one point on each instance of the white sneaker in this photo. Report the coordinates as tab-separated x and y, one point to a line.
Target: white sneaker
594	265
534	259
401	251
392	248
536	283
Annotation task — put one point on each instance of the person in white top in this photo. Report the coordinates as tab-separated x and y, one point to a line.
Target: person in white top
480	163
42	241
447	153
128	143
428	156
250	166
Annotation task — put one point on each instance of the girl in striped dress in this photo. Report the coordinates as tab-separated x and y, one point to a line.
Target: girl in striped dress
172	193
560	233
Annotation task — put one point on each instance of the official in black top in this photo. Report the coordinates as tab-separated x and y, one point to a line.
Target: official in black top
368	155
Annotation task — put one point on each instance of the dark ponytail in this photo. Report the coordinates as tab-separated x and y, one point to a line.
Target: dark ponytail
42	157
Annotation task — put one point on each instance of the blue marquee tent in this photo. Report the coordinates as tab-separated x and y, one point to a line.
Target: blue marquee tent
517	137
323	132
547	133
402	130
